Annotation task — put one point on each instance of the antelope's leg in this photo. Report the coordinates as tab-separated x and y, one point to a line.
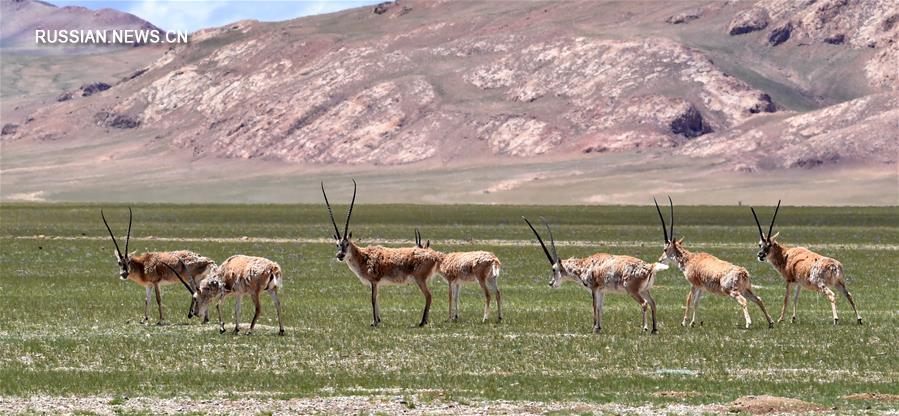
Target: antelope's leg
483	284
375	310
742	301
456	290
687	306
748	294
158	303
491	281
783	310
652	307
274	294
796	291
218	309
147	306
258	305
600	301
643	305
696	299
450	305
842	288
833	301
423	285
237	312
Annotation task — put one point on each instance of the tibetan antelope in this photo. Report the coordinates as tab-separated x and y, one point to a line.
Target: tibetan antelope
149	269
708	273
468	266
237	276
804	268
602	273
376	266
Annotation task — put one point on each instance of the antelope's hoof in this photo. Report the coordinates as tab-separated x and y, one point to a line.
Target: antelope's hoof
749	325
654	332
693	324
597	329
374	324
160	323
860	321
683	323
770	325
205	321
836	321
144	321
645	329
781	319
221	330
422	323
281	333
793	320
236	331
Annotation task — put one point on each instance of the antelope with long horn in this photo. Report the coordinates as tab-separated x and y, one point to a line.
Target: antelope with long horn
238	276
707	273
153	269
603	273
469	266
803	268
376	266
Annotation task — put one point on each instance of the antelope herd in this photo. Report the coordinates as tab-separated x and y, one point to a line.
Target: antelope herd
376	266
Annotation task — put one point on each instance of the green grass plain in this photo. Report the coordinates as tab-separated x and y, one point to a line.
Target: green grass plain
70	327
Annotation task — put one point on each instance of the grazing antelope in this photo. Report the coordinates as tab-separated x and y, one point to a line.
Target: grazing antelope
708	273
149	269
376	266
237	276
602	273
804	268
469	266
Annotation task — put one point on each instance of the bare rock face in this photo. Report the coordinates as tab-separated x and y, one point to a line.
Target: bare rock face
90	89
780	34
684	17
66	96
748	21
9	129
114	120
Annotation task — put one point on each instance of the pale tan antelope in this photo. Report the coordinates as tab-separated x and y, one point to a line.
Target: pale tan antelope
149	269
602	273
238	276
377	266
707	273
803	268
469	266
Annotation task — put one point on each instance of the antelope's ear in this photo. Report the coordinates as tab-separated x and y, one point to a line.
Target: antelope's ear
428	244
681	240
774	237
349	235
335	236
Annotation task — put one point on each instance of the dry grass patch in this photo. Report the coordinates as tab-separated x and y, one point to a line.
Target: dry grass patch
879	397
762	405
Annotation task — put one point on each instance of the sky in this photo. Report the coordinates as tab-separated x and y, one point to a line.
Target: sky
191	15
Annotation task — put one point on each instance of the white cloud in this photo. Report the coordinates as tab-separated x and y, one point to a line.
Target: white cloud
178	15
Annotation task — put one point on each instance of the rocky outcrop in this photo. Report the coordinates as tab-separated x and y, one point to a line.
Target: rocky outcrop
780	34
748	21
90	89
9	129
115	120
684	17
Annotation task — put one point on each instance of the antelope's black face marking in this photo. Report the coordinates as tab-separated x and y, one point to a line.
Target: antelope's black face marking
556	279
123	268
764	248
343	245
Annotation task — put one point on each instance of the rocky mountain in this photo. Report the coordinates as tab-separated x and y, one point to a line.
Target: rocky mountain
20	18
743	86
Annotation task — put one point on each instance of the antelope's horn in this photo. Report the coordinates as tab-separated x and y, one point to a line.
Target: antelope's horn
671	227
757	224
545	251
187	286
552	241
330	213
349	213
112	235
771	227
128	236
662	219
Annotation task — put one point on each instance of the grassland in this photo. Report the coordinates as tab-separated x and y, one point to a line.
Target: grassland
69	326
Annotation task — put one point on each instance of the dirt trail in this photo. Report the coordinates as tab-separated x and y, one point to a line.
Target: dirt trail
448	242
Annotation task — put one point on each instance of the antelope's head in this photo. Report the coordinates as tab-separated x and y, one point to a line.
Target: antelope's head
673	249
418	243
343	242
559	271
124	260
208	289
766	241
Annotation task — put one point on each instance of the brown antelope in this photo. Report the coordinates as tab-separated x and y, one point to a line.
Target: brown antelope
804	268
376	266
468	266
602	273
237	276
708	273
149	269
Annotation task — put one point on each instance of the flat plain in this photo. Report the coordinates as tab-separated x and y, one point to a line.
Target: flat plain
69	327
